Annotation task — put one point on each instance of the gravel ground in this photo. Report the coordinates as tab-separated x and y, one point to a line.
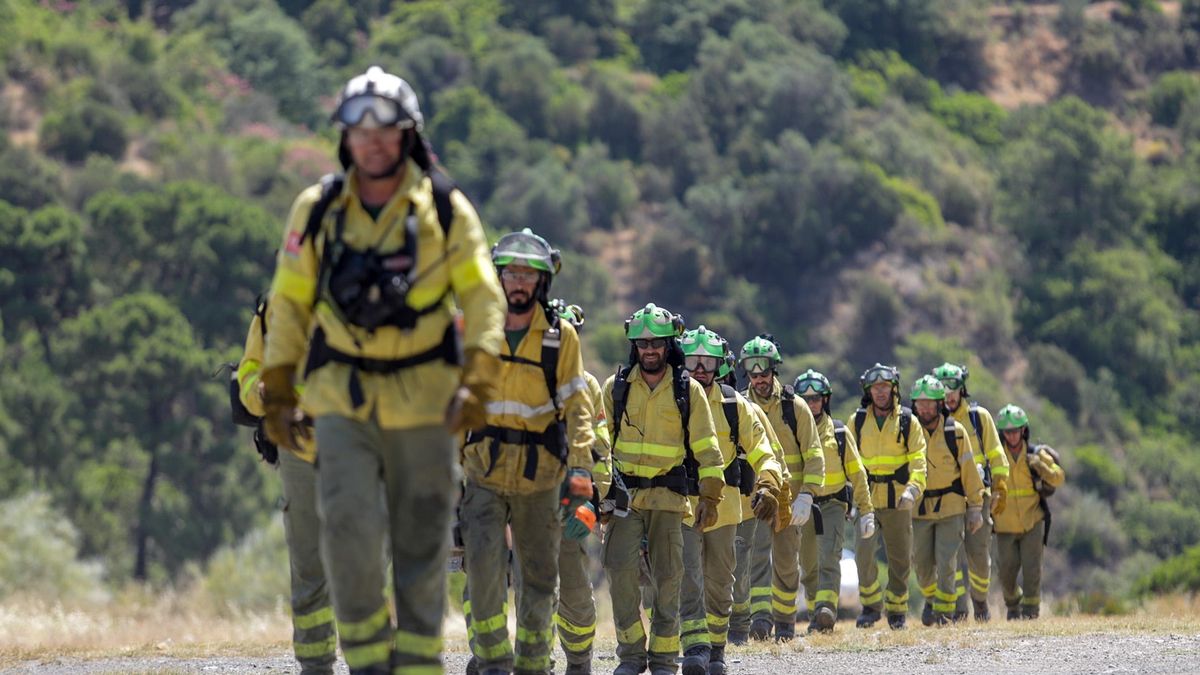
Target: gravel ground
973	652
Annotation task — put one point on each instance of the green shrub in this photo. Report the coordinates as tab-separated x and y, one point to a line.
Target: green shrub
39	551
1169	94
1178	574
82	129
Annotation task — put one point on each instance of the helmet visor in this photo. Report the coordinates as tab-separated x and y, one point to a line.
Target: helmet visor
371	111
875	375
706	363
756	364
952	383
816	386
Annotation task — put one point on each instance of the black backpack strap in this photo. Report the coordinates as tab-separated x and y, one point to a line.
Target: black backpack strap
951	439
443	187
551	344
260	310
906	415
860	417
788	400
683	401
839	434
1037	487
620	396
973	415
729	406
331	187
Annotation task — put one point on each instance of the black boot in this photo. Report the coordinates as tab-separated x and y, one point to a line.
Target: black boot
630	668
1029	611
716	660
695	660
897	621
927	615
1014	613
868	617
760	629
737	637
825	619
982	615
784	631
578	669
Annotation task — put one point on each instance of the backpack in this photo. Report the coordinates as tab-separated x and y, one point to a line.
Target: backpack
683	401
973	415
956	485
238	412
740	473
1040	486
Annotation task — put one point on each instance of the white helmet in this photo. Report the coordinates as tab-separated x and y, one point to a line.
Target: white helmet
378	99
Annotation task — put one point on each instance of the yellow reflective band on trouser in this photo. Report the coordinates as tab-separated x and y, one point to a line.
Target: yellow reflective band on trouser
784	595
783	607
783	602
929	590
358	631
294	286
693	632
718	628
535	636
741	607
1031	600
425	646
368	655
664	643
959	585
574	638
896	603
632	634
979	583
312	650
490	625
419	670
532	664
870	595
493	653
760	599
812	604
827	597
313	619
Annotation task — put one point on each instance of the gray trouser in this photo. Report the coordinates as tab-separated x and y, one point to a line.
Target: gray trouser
419	471
663	531
314	638
821	557
936	544
761	573
706	594
1021	553
894	526
743	546
536	532
975	561
576	616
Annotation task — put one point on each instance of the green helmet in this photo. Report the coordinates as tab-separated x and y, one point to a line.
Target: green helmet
952	375
652	321
727	365
811	379
1011	417
760	355
702	342
929	388
879	373
526	248
572	314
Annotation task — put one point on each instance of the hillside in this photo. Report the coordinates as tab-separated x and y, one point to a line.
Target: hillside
1008	185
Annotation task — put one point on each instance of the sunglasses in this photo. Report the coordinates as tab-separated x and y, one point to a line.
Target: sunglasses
708	364
650	343
383	112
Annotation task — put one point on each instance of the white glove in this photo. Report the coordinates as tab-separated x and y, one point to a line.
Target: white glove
908	499
866	526
974	518
802	508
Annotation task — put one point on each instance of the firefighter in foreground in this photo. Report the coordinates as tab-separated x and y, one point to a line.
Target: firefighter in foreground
529	468
845	485
708	552
367	287
953	486
1024	527
664	447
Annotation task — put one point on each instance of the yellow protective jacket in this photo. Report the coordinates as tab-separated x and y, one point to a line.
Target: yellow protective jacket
942	468
991	452
839	472
248	373
752	436
802	451
458	263
884	452
649	440
776	450
1024	509
602	449
523	404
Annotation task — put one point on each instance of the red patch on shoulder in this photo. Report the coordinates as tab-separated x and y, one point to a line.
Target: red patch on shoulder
292	247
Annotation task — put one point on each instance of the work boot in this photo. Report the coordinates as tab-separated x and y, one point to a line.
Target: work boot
1014	613
959	616
630	668
927	615
785	631
472	666
942	619
662	670
496	671
980	608
760	629
716	660
695	660
825	619
868	618
897	621
578	669
1029	611
737	637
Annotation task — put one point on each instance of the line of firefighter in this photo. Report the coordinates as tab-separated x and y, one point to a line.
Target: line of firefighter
375	266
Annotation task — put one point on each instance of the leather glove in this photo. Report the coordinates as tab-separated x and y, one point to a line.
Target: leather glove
1038	461
974	518
710	498
908	499
581	522
468	408
282	419
765	503
867	525
783	515
802	508
999	495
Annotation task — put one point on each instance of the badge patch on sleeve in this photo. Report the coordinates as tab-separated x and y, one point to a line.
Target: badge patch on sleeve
293	244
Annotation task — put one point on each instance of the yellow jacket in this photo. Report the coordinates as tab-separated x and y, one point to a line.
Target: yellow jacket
943	468
752	436
991	452
837	473
602	449
802	451
248	373
459	263
776	450
649	440
1024	509
883	452
522	403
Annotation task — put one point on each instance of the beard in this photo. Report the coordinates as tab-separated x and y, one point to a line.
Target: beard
519	302
652	364
390	172
705	378
926	420
763	389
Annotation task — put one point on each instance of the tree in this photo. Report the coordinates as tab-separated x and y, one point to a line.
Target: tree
44	277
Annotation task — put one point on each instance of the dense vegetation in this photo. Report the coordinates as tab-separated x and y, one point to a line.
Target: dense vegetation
831	171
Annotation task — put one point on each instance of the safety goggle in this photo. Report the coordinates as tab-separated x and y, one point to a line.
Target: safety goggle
880	375
520	276
805	385
708	364
952	383
754	365
356	110
650	343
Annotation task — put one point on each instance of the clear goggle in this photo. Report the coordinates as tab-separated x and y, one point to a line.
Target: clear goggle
952	383
880	375
370	111
708	364
754	365
805	385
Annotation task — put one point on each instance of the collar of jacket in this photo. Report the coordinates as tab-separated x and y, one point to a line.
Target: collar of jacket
539	324
413	177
